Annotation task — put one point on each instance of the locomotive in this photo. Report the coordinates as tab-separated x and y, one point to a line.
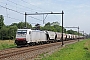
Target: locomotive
32	37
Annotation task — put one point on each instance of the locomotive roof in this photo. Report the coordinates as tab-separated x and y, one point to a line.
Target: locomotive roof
23	29
28	29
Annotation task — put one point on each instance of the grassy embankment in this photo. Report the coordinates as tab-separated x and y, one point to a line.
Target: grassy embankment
76	51
4	44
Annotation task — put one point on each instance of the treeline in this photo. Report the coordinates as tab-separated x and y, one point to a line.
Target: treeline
57	28
9	31
53	27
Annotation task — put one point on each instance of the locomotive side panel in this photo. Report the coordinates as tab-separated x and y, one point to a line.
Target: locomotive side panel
43	36
37	36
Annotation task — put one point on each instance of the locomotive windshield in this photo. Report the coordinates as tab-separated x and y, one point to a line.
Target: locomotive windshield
22	32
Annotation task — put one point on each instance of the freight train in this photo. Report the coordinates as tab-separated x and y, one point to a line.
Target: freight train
32	37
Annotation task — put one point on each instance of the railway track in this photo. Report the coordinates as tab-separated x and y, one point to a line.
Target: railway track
32	51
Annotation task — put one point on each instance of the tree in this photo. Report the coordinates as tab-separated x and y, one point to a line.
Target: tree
70	32
55	23
73	32
58	28
8	32
4	33
1	21
52	27
12	32
14	24
48	24
21	25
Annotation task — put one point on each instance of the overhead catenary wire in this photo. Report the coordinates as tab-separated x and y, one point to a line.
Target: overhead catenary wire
34	5
39	8
35	18
25	7
12	18
18	12
21	9
20	5
21	12
11	9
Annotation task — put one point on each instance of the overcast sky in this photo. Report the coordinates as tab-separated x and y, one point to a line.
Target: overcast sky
76	12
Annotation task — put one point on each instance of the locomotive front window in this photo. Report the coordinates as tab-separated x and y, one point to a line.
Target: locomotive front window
22	32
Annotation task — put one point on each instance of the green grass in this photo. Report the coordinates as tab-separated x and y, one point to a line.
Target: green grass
4	44
76	51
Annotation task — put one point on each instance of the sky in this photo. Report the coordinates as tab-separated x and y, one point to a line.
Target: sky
76	12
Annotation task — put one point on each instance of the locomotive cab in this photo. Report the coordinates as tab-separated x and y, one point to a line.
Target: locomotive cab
21	36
